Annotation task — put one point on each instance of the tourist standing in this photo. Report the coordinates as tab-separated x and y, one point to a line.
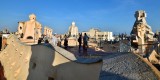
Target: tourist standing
54	40
85	42
59	41
65	42
80	41
39	40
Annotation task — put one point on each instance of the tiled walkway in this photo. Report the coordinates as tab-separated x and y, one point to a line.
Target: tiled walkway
90	51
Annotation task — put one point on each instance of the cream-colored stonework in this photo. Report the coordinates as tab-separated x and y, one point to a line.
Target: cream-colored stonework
48	32
41	62
21	27
73	30
15	59
30	30
142	31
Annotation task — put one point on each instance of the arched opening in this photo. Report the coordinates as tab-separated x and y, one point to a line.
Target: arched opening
20	28
22	35
29	37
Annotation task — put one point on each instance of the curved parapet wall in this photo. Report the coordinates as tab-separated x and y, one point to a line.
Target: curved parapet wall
15	59
72	57
44	61
73	68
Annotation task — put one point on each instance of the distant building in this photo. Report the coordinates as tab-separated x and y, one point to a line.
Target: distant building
6	31
48	32
96	34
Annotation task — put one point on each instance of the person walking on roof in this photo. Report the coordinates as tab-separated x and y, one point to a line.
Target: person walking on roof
85	43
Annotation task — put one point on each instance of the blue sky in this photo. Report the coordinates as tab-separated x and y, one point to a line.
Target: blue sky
107	15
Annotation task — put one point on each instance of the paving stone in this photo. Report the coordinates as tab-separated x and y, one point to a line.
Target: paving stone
124	66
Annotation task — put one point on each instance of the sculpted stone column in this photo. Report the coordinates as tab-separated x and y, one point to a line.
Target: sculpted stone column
32	28
39	30
21	29
73	30
141	31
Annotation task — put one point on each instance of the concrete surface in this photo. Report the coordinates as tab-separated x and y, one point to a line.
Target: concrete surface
15	59
125	66
44	61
